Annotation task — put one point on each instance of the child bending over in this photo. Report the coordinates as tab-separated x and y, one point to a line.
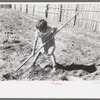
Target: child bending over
45	32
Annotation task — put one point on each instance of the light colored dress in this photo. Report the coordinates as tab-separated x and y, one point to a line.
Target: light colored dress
48	48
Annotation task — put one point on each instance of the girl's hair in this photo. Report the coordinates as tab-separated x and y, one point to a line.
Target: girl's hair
41	24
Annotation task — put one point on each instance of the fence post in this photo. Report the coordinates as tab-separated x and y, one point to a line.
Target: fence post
14	6
26	8
33	8
10	5
75	16
60	13
46	11
20	7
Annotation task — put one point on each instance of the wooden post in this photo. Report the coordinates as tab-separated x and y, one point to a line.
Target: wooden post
60	13
14	6
20	7
0	5
10	5
26	8
33	9
75	16
46	11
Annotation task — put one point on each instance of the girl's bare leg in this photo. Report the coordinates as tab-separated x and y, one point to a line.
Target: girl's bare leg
53	62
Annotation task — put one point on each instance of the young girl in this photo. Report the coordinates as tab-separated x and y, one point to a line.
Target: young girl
45	32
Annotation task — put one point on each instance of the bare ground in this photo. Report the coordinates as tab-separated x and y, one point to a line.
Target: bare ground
77	51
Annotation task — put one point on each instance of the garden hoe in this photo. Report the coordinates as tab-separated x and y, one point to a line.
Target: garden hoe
10	76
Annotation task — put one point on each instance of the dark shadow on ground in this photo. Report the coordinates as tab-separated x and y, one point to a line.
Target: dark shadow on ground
71	67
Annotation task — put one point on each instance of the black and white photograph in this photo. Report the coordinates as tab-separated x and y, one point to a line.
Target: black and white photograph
49	42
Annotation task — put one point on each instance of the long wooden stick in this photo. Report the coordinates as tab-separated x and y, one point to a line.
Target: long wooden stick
23	63
57	31
45	43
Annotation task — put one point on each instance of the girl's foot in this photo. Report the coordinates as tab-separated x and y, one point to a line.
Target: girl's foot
53	70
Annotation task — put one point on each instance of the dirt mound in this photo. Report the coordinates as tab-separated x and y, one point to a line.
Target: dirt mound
77	50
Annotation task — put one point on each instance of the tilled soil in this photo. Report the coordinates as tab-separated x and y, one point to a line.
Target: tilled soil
77	51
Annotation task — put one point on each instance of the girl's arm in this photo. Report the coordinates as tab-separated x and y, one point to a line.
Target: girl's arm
54	29
34	44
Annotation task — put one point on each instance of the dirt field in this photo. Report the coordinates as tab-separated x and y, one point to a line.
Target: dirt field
77	51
